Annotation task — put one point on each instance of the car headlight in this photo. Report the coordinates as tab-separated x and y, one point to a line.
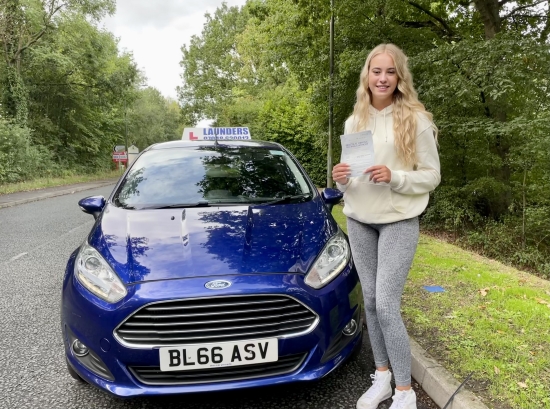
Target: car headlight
94	273
332	260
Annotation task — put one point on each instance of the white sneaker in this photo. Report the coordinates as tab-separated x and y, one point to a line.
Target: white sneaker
404	400
378	392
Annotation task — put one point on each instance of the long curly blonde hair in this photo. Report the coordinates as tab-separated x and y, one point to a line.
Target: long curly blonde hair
405	103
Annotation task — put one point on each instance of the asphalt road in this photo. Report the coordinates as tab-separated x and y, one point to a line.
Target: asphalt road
35	241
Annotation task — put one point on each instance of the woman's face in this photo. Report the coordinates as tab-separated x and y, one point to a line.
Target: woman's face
382	80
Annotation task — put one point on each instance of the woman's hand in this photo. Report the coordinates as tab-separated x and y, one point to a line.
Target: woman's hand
340	173
379	173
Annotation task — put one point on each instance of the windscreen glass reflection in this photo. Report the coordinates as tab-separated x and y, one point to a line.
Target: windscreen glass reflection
195	175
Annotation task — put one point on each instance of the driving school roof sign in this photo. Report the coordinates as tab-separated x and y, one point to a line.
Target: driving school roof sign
219	133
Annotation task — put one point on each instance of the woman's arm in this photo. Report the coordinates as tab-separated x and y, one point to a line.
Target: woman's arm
427	175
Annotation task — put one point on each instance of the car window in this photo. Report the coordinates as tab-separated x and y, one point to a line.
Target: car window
188	175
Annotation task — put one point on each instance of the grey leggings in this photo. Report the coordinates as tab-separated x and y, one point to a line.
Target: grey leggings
383	254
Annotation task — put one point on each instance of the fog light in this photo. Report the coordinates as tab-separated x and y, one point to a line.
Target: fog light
79	348
350	329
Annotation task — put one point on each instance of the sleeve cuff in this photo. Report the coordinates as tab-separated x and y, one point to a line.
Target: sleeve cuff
397	179
342	188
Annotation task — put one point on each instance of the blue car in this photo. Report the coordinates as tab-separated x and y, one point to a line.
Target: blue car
213	265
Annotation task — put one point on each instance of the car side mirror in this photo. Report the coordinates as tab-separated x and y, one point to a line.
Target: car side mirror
92	205
331	197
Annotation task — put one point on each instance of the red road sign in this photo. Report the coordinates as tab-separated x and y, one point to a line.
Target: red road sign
120	156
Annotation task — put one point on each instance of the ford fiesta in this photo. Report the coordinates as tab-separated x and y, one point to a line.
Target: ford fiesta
212	265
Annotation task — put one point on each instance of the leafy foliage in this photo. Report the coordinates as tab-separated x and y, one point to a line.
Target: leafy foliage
152	119
19	159
211	64
284	118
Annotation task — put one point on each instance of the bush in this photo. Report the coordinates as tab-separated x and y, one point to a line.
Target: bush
456	211
502	241
19	159
451	210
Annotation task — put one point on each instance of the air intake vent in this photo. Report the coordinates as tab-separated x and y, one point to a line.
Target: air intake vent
152	375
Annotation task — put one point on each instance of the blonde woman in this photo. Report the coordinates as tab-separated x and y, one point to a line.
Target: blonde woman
382	208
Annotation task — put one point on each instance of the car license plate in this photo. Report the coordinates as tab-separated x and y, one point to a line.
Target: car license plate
222	354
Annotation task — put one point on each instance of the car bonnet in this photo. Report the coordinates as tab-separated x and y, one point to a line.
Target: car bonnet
160	244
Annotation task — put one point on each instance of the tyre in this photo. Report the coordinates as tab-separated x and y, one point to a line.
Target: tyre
357	350
73	373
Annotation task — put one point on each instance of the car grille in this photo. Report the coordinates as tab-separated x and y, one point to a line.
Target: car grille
152	375
216	319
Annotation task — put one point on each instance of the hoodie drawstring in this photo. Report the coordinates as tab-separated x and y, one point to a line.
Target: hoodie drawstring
385	126
374	114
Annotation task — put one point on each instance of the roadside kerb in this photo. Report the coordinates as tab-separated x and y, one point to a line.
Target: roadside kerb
438	383
14	199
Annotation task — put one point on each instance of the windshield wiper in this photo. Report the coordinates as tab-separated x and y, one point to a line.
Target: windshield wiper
202	203
288	199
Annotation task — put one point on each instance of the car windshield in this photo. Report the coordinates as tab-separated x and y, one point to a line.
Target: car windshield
201	176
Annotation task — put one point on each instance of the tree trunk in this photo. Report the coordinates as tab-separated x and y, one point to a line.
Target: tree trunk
546	31
524	208
16	98
489	10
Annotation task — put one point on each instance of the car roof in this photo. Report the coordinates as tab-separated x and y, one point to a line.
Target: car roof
230	143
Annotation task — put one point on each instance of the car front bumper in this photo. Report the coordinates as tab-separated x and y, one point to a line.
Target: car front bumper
93	322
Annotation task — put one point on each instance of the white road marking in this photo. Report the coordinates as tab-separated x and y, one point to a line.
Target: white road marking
18	256
48	243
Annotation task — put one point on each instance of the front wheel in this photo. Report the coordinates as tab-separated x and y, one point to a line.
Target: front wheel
357	350
73	373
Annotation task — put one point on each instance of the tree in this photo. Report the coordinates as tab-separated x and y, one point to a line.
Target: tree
78	85
211	64
23	23
153	118
524	15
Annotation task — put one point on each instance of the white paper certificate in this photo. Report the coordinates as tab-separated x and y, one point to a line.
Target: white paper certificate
357	151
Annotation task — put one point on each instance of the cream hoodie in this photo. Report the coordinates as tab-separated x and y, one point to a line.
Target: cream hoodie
407	194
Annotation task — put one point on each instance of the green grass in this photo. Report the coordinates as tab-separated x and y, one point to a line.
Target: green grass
492	320
57	181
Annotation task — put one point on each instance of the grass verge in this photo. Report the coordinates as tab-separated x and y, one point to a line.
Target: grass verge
58	181
491	320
